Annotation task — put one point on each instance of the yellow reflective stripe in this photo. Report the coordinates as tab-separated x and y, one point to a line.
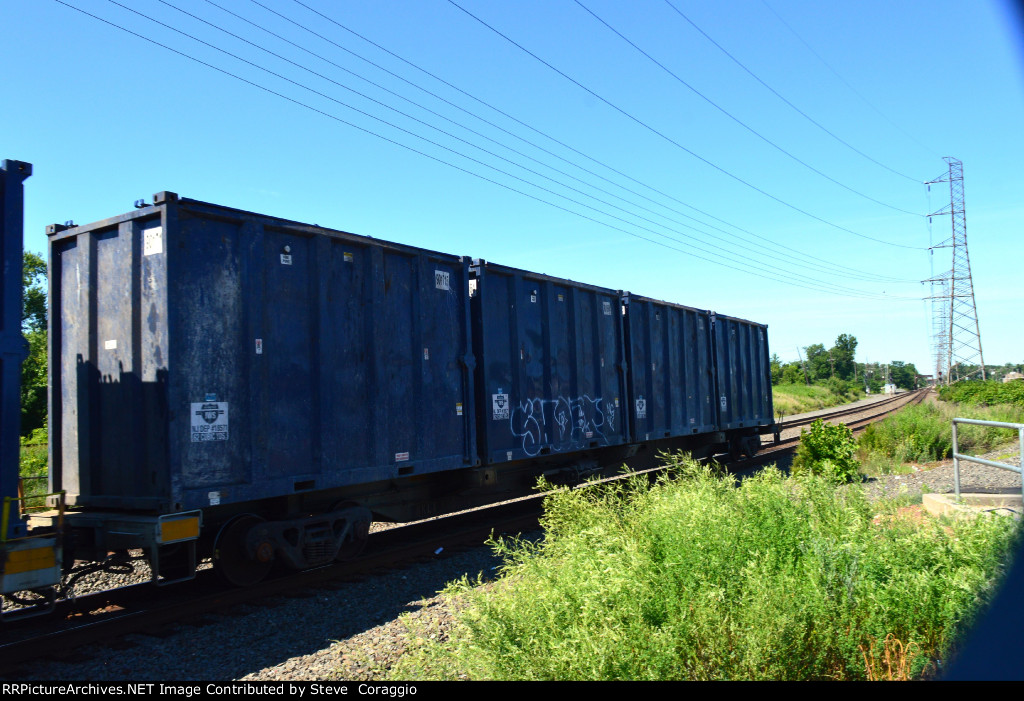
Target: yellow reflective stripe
31	559
179	529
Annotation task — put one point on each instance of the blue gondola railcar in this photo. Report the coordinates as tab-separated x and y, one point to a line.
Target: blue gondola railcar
211	364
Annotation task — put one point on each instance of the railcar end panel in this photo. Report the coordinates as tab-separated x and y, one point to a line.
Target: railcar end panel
743	379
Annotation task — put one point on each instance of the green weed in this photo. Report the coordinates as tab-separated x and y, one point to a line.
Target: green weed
33	462
695	578
923	433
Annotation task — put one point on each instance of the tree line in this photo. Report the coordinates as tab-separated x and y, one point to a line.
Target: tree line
835	365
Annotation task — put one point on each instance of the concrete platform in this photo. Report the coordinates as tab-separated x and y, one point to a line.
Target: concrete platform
972	504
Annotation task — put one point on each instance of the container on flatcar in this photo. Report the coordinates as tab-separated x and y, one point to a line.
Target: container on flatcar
204	356
743	380
671	378
551	357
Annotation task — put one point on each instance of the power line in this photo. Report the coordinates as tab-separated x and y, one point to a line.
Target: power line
869	277
860	275
790	104
551	138
676	143
852	292
844	81
737	119
321	94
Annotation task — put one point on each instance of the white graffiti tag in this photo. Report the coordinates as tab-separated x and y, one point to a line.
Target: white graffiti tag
560	424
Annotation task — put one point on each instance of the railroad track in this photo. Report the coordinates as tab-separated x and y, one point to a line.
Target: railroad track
90	618
897	400
875	412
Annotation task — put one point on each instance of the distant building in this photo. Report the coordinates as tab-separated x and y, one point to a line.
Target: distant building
1011	376
889	388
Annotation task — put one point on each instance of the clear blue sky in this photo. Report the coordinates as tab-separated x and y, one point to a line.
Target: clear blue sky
107	118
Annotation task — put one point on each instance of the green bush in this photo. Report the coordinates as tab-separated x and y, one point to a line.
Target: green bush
827	451
696	578
841	388
988	393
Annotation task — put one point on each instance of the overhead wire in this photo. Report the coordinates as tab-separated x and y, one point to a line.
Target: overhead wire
850	292
826	285
588	157
678	145
491	153
736	119
844	81
869	277
774	92
788	261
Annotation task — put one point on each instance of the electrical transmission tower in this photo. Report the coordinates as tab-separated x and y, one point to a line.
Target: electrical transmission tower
955	332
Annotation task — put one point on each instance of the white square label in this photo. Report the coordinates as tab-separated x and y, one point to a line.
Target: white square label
442	279
499	403
153	241
209	421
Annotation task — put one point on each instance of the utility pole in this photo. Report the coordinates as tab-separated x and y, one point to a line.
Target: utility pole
832	363
807	377
956	333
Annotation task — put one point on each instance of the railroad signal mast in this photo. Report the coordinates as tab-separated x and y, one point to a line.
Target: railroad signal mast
955	332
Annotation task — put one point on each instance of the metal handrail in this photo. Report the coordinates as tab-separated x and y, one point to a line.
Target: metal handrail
957	457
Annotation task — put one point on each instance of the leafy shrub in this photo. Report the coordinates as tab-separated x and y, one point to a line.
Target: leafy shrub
841	388
827	451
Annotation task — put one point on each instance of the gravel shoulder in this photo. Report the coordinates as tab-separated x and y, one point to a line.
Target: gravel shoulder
350	631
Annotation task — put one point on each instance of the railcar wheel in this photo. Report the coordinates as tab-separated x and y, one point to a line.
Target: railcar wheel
229	553
359	531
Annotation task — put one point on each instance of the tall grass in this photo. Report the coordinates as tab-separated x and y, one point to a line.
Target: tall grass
780	578
923	433
792	399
